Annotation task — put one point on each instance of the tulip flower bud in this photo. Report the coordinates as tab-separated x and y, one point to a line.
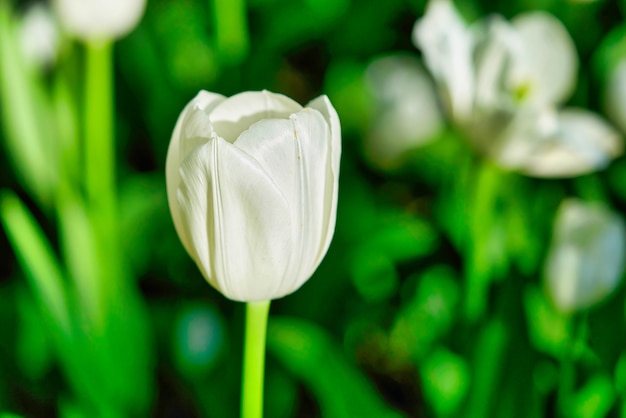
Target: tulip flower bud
99	19
252	188
586	258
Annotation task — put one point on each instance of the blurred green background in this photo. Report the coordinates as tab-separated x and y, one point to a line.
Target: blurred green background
430	302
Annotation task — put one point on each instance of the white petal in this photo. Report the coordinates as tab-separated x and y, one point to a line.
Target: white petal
325	107
237	113
584	142
551	55
239	222
196	122
180	146
296	154
318	180
447	47
407	110
514	138
586	257
500	64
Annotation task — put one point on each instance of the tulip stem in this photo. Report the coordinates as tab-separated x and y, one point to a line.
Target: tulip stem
254	359
577	328
99	144
231	30
99	154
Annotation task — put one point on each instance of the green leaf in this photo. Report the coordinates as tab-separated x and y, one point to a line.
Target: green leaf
36	257
488	360
374	275
33	345
403	237
549	330
340	389
429	314
24	114
445	377
595	399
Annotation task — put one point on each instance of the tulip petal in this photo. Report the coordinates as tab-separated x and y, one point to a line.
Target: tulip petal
238	220
322	104
551	54
318	183
325	107
500	64
296	155
446	44
180	146
583	142
236	114
585	261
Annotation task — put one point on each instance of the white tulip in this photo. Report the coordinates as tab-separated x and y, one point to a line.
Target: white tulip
585	262
252	188
99	19
503	84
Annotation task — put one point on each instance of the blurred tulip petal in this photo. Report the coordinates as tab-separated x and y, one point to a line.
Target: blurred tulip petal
547	143
408	114
552	54
447	47
583	143
586	258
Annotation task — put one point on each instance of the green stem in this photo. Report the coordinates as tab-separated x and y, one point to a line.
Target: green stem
99	146
480	265
567	379
254	359
231	30
99	158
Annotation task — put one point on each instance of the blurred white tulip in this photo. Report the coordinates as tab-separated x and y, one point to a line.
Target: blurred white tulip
407	112
252	188
99	19
503	84
585	262
39	36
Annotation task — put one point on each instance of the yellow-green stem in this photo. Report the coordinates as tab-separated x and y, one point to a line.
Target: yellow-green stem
99	145
231	30
254	359
99	158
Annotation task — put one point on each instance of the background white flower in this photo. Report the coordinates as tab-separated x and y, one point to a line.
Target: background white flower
503	84
99	19
39	36
585	262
